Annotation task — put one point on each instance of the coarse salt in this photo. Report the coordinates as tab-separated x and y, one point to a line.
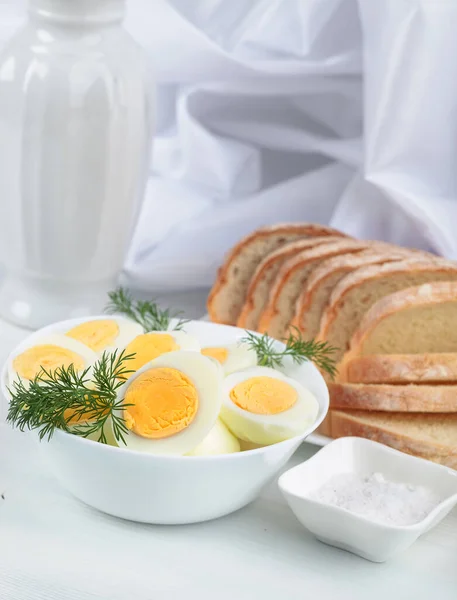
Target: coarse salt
378	499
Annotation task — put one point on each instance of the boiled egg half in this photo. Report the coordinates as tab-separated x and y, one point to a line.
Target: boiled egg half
105	335
148	346
218	441
50	353
234	357
264	406
172	404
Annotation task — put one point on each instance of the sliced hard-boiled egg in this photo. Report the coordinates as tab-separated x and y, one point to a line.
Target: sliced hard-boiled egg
234	357
245	446
263	406
172	403
50	353
95	436
105	335
148	346
218	441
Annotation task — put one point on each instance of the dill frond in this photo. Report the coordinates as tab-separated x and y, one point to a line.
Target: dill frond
300	350
79	403
146	313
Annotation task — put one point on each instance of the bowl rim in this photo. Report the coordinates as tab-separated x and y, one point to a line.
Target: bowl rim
323	402
363	520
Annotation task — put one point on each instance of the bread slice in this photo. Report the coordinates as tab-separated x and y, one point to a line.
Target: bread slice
449	461
394	398
401	368
325	427
292	276
419	319
432	436
316	294
265	274
229	291
356	293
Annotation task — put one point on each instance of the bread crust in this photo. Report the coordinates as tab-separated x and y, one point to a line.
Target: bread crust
325	427
249	316
270	316
223	285
339	296
435	292
353	424
447	461
440	367
394	398
345	264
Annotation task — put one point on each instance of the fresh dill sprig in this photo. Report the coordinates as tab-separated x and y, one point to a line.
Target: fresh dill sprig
146	313
79	403
300	350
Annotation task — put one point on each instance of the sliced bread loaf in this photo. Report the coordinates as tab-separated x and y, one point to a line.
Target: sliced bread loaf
316	294
394	398
356	293
419	319
265	274
325	427
449	460
431	436
291	278
440	367
229	291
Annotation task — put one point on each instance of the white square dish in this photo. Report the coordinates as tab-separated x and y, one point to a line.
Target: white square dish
356	533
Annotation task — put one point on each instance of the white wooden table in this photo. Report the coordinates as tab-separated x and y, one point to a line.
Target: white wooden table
52	547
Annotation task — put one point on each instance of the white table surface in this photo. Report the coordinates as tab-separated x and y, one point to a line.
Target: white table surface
52	547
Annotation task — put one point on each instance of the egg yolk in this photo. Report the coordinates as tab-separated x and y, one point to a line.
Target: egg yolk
72	418
264	395
148	346
220	354
163	402
96	334
47	356
80	418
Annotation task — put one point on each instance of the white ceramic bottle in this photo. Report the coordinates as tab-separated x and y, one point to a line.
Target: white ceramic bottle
75	127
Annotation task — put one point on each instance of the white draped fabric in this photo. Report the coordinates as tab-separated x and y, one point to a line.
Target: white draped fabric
335	111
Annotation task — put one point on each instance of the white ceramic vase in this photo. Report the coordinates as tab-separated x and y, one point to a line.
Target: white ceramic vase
75	127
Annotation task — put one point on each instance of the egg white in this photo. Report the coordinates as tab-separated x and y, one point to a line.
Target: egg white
107	428
240	356
207	377
268	429
128	331
183	340
218	441
245	446
89	356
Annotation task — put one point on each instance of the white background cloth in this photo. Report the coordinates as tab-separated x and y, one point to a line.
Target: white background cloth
336	111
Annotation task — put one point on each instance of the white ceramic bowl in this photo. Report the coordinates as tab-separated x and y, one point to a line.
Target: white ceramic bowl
168	489
347	530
